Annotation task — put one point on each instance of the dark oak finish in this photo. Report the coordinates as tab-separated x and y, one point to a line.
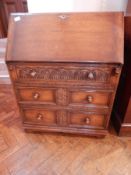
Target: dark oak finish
64	72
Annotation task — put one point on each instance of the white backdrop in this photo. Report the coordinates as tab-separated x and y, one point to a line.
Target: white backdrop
37	6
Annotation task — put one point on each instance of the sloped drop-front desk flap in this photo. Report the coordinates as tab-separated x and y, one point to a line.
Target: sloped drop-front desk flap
66	37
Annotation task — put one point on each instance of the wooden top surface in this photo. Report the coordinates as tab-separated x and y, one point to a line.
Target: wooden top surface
66	37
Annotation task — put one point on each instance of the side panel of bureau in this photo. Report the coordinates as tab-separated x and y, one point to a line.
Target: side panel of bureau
121	116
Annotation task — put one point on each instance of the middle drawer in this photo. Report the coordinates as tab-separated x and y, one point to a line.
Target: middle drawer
37	95
64	96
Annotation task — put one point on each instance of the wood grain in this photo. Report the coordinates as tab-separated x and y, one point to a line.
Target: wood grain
69	37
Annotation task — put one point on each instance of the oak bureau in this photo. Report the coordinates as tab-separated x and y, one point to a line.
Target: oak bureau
65	69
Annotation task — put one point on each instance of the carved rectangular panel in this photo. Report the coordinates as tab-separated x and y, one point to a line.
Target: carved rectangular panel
62	96
63	119
65	73
54	73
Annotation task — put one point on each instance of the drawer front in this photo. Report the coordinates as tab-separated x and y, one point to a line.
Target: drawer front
64	96
87	120
40	116
83	97
84	74
65	117
37	94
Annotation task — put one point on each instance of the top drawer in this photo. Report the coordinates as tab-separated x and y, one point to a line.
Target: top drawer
60	73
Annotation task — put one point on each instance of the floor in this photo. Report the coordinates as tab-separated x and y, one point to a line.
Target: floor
56	154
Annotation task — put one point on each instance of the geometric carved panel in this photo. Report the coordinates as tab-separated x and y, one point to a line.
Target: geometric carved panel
79	74
62	116
62	96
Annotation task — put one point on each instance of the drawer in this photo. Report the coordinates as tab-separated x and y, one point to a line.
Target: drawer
96	98
64	117
60	73
37	94
87	120
64	96
40	116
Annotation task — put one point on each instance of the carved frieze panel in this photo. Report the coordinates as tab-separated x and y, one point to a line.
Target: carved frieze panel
79	74
62	117
62	96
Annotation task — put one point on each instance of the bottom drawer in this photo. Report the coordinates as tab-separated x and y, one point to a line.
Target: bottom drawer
87	120
40	116
65	117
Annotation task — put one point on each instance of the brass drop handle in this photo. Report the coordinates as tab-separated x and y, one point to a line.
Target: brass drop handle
89	99
87	120
36	95
33	73
39	117
91	76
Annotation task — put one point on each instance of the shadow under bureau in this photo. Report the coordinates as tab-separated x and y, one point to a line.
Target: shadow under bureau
65	69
